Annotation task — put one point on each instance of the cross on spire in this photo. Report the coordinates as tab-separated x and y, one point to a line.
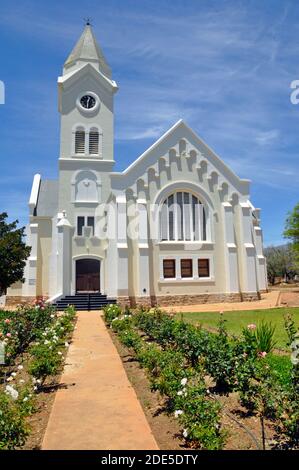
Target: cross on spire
88	21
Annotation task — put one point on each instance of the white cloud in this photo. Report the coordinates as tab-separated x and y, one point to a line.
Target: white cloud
267	137
151	132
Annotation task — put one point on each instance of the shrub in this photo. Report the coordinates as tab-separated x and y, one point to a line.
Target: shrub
193	342
201	418
111	312
45	362
23	326
46	353
13	429
222	358
289	403
169	371
40	328
130	338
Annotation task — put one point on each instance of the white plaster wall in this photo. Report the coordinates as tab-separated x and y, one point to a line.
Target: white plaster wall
72	116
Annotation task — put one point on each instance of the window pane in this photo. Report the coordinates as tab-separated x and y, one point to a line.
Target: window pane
203	268
186	268
180	216
204	228
168	268
80	225
90	223
163	221
80	142
195	218
187	217
171	217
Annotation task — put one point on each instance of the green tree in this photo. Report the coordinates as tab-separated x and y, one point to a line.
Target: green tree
292	229
281	262
13	253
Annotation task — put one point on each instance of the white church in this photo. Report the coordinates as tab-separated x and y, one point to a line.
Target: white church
176	227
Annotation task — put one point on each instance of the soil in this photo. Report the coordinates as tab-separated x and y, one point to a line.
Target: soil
38	421
165	428
290	299
243	429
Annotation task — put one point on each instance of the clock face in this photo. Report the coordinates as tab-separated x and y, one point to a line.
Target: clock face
88	102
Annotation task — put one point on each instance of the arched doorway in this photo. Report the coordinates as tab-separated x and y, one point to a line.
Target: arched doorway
88	275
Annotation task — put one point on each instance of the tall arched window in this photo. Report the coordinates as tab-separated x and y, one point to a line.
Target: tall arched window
182	218
94	142
80	141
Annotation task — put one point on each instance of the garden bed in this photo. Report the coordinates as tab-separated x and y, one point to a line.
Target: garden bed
224	392
165	428
36	341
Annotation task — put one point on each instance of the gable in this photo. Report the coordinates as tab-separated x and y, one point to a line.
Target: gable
180	143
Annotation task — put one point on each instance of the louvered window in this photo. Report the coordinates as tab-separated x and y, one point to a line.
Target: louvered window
94	142
186	268
203	268
169	268
79	142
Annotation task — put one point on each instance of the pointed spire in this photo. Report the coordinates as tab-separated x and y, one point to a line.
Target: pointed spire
85	51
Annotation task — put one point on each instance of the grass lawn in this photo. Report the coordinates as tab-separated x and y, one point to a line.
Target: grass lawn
236	320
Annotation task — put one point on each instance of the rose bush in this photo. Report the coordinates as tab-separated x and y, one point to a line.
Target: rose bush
41	333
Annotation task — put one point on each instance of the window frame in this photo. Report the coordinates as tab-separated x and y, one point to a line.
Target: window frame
85	224
177	214
208	268
167	260
182	261
80	130
195	262
95	131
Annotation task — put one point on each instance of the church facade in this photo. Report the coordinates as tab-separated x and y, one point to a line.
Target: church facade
176	227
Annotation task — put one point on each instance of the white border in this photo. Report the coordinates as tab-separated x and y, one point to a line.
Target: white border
102	271
85	110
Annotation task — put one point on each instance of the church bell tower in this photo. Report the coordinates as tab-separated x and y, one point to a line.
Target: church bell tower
86	92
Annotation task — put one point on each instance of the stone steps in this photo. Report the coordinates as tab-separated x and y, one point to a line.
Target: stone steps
92	301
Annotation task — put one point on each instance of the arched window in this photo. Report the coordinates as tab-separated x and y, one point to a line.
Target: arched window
182	218
94	142
80	141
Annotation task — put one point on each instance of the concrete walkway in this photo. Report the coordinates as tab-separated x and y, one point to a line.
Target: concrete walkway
269	300
98	409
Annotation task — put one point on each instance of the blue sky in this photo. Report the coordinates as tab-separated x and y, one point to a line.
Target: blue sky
225	67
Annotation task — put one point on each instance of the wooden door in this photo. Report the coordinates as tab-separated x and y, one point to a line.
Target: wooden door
88	275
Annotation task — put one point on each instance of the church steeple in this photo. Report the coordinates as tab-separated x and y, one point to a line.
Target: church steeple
87	50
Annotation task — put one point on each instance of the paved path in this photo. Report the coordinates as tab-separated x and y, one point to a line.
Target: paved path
98	409
268	300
